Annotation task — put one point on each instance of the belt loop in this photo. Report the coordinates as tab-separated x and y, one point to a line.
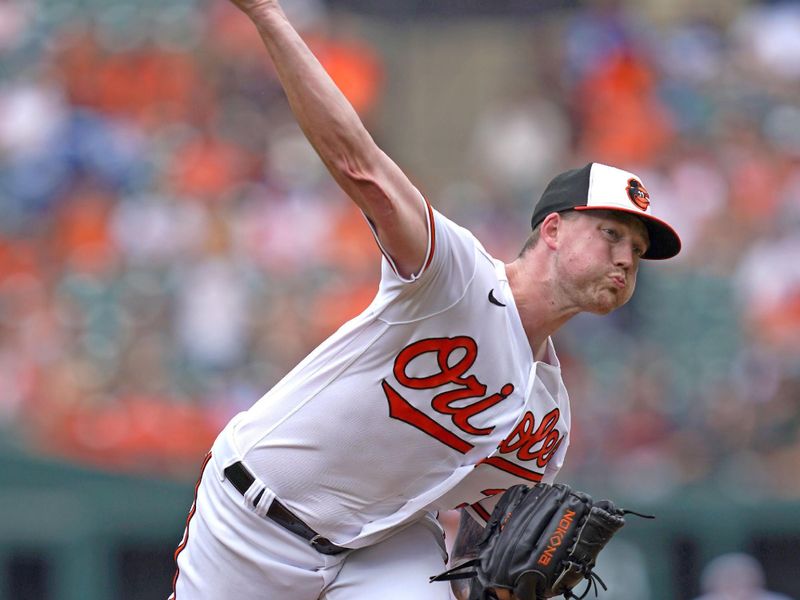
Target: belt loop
261	500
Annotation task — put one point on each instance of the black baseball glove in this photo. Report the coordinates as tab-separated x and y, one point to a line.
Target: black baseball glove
540	542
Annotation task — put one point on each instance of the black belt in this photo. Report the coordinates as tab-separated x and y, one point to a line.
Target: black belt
242	479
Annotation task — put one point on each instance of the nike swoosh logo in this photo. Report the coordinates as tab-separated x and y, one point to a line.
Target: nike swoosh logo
494	300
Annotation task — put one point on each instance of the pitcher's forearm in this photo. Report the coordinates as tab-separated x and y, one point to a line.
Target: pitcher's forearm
369	177
326	117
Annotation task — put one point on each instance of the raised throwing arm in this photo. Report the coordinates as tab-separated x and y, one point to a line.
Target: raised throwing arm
373	181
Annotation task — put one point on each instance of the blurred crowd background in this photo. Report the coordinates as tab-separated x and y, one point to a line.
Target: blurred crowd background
170	245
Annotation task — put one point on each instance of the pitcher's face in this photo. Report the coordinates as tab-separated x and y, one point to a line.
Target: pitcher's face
598	258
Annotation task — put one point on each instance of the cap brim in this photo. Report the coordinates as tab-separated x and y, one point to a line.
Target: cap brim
664	242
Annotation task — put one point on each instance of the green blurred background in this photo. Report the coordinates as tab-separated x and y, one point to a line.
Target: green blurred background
170	246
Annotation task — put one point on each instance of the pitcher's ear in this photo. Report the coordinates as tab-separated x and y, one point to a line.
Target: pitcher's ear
550	228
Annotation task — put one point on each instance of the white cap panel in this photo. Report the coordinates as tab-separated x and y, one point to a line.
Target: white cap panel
610	186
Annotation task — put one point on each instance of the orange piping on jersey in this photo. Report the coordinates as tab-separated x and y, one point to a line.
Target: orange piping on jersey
390	260
433	236
185	539
482	512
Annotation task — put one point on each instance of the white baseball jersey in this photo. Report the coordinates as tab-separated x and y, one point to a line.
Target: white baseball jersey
430	399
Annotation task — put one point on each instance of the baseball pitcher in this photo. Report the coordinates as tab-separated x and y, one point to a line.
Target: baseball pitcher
445	392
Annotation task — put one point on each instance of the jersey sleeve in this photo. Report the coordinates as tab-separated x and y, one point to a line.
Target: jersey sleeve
447	270
389	269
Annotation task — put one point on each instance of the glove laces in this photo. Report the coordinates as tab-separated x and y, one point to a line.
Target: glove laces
593	581
638	514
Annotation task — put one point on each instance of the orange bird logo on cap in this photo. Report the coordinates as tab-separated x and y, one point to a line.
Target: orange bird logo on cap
638	194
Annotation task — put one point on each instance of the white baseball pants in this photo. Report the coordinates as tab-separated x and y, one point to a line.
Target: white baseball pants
229	551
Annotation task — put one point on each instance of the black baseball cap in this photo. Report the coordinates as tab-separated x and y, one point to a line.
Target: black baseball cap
600	187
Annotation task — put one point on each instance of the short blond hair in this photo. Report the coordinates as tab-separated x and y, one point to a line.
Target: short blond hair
533	238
